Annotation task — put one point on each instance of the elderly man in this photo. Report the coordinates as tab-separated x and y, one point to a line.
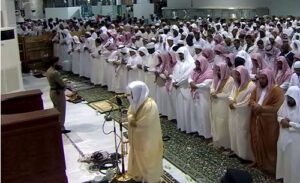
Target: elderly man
239	113
220	90
295	78
200	81
288	152
145	137
265	101
283	73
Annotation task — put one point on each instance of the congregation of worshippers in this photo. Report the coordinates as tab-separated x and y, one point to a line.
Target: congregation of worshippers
233	82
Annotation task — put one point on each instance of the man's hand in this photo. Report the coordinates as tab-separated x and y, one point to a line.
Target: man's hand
139	66
193	86
146	69
175	85
231	105
213	95
256	108
167	75
132	120
284	123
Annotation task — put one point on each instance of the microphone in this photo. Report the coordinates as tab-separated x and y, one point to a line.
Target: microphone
119	97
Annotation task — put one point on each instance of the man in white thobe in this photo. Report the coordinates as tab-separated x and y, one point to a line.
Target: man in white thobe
150	69
288	152
295	78
183	68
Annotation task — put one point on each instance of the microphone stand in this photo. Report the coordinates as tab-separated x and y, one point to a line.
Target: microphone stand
120	174
115	132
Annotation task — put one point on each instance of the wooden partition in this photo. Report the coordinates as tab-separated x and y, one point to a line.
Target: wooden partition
31	141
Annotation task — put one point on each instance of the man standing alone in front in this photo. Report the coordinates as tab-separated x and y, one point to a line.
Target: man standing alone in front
57	91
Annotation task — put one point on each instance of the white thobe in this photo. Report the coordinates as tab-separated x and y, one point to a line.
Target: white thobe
95	64
109	70
75	57
295	80
198	109
288	153
181	106
133	73
150	75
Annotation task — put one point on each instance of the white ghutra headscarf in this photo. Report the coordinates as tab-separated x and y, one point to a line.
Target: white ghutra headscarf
139	92
183	68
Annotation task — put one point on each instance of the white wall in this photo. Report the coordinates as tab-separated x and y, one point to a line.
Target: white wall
63	13
230	3
74	12
217	3
142	2
96	10
60	13
108	10
285	7
145	10
277	7
178	3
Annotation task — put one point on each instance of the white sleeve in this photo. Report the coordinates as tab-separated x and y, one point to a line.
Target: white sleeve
190	79
292	81
252	76
294	125
205	84
182	82
285	85
279	118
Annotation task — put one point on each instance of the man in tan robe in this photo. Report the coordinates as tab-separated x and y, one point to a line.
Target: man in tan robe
220	91
145	137
57	92
265	101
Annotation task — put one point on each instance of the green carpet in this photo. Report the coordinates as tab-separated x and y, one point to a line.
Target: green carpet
95	94
76	83
188	152
203	163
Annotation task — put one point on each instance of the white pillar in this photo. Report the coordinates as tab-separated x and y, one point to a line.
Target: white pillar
37	7
8	17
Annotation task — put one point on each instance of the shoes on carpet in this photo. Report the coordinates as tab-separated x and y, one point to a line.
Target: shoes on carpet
65	131
252	165
227	153
244	161
210	144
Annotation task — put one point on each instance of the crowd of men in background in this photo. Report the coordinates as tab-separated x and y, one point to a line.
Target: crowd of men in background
233	81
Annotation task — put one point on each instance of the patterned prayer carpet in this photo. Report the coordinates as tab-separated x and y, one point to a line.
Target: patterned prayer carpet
95	94
76	83
188	152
